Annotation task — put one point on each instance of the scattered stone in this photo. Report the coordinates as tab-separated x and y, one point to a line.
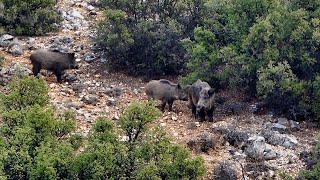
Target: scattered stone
202	143
75	13
90	99
275	138
224	171
276	127
289	141
79	87
70	78
111	102
255	147
191	125
294	126
232	135
16	49
73	105
19	69
113	91
5	40
283	121
89	57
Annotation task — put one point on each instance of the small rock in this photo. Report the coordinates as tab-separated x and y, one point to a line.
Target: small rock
294	125
5	40
75	13
70	78
270	155
163	124
191	125
16	49
77	106
197	124
255	147
79	87
89	57
115	118
111	102
175	118
90	99
283	121
290	141
276	127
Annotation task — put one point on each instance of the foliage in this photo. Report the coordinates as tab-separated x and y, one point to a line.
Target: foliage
224	171
285	176
135	150
2	58
256	45
25	17
32	138
143	38
37	143
279	86
25	92
313	170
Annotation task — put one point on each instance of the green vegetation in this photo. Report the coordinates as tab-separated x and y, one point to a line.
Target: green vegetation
37	143
143	38
312	170
28	17
270	48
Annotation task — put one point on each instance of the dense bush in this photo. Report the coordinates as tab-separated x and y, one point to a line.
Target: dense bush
312	170
144	38
258	46
138	152
37	143
33	138
28	17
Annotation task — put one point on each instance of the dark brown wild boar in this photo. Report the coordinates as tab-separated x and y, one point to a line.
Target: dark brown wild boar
202	99
54	61
165	91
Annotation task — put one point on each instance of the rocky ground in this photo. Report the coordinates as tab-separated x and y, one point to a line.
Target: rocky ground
256	146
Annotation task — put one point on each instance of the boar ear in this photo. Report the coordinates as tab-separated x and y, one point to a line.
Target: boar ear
211	92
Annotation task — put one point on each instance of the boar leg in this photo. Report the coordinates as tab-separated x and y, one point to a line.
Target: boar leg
36	68
163	105
194	110
210	115
170	105
202	115
57	72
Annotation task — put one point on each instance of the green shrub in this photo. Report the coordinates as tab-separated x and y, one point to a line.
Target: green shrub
144	39
2	58
312	170
135	151
32	137
25	17
279	86
37	143
24	92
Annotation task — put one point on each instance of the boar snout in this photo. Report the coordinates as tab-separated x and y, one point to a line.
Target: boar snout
200	107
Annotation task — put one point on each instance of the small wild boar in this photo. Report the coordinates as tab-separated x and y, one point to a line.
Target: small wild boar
202	99
165	91
54	61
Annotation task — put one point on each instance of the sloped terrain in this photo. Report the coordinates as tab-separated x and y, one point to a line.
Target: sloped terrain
257	146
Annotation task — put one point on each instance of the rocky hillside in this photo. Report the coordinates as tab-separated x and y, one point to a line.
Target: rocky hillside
255	146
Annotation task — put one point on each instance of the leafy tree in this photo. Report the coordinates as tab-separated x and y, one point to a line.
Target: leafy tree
140	153
33	138
143	37
25	17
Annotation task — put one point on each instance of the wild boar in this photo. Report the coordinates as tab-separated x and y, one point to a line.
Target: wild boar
165	91
202	99
54	61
